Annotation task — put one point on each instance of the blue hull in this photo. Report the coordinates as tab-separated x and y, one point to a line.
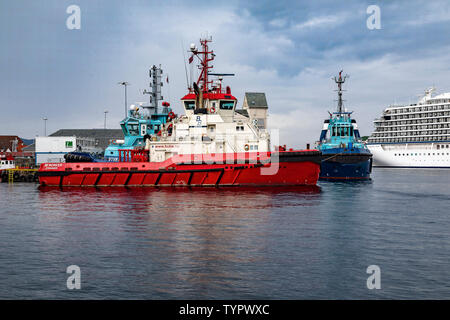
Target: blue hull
333	170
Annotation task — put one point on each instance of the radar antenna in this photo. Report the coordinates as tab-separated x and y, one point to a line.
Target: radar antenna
205	56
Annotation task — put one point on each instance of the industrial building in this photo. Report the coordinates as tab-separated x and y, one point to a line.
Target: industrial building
53	148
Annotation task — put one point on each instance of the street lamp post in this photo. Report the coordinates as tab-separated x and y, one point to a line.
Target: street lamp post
106	111
125	84
45	126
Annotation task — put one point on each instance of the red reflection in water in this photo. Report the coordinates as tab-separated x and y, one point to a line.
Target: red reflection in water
188	228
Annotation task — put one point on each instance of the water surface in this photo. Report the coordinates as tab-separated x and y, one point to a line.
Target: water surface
264	243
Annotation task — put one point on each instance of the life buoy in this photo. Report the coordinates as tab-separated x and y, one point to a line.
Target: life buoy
171	115
246	147
212	110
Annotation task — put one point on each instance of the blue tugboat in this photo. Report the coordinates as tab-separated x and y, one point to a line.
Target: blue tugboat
344	155
142	122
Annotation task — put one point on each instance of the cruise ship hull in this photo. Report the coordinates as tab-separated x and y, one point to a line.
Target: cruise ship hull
354	166
411	155
290	168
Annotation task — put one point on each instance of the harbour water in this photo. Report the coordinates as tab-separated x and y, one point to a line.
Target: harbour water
265	243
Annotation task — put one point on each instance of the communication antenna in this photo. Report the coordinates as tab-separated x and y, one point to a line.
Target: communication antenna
125	84
185	67
340	80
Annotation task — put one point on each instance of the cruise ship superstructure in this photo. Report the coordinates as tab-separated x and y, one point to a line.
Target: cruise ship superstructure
415	135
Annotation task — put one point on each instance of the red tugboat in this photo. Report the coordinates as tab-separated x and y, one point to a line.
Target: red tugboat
211	145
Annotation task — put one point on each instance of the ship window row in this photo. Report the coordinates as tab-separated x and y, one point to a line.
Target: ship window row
7	162
418	109
226	105
410	132
405	134
133	129
416	116
420	154
223	105
417	121
342	131
421	108
435	101
189	105
407	139
413	128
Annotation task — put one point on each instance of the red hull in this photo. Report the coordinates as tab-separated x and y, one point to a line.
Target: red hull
250	169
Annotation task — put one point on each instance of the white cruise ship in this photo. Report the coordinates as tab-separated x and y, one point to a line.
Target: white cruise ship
415	135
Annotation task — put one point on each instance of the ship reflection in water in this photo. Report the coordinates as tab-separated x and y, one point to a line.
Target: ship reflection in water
235	243
175	242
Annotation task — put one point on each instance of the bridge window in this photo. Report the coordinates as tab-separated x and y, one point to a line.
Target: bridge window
189	105
345	131
226	105
133	129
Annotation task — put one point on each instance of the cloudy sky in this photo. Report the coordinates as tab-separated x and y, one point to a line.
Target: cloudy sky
287	49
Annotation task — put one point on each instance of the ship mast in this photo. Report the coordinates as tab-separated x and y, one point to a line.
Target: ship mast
339	82
205	56
155	74
203	86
